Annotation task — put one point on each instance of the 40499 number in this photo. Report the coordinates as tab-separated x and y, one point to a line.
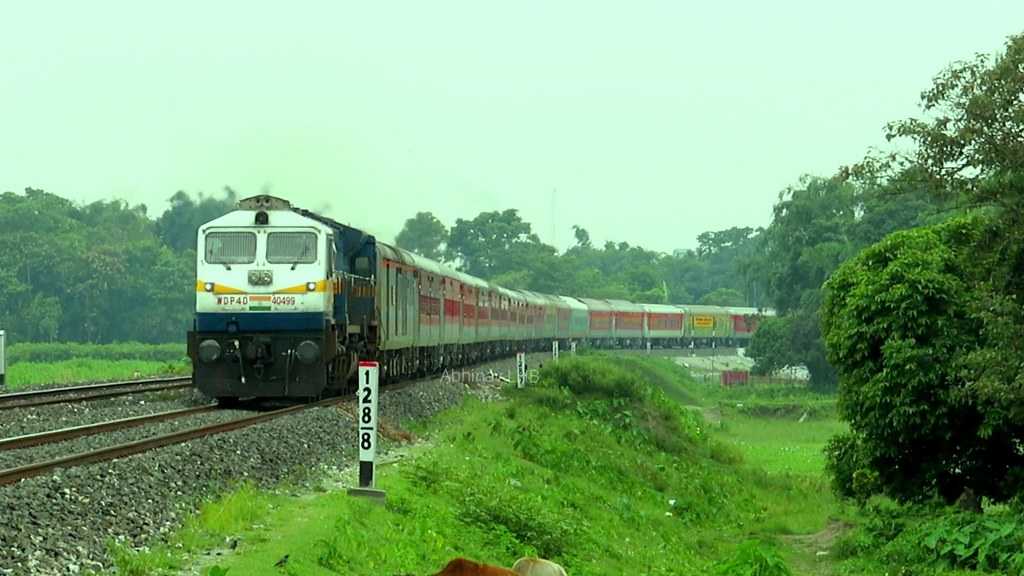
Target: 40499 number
283	300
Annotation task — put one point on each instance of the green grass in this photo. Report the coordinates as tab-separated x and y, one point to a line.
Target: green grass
594	468
780	445
27	374
59	351
39	363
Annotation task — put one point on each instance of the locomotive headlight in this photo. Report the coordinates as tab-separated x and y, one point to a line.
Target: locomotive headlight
208	286
307	352
310	286
209	351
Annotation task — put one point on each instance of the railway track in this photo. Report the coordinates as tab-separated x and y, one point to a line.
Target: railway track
13	475
89	392
52	436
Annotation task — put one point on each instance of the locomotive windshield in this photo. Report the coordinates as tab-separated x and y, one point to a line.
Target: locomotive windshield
230	247
291	248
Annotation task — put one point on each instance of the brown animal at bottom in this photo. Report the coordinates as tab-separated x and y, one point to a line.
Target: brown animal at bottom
463	567
537	567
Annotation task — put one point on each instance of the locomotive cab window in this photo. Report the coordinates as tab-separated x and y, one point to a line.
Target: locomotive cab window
291	248
230	248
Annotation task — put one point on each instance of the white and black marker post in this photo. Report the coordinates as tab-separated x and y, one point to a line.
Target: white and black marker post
520	369
572	347
554	349
366	419
648	346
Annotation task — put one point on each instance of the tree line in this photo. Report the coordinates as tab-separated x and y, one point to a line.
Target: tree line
501	247
100	272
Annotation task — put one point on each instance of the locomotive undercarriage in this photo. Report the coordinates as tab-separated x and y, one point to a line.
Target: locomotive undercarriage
269	365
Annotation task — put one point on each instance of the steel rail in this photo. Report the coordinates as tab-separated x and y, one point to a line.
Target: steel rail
51	436
107	390
13	475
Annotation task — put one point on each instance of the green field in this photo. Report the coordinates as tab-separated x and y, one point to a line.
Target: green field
27	374
34	364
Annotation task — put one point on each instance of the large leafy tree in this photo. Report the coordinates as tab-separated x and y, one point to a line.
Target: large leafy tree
808	237
481	245
927	328
423	234
904	323
818	225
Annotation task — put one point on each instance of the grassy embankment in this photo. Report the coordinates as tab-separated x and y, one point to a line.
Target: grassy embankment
33	364
610	466
594	467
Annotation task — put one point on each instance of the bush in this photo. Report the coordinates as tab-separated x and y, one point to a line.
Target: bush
754	558
618	395
846	463
943	538
904	322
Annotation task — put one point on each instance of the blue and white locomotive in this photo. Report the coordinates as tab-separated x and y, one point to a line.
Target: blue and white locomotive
273	316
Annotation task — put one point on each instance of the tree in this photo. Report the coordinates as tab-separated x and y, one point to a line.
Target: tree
926	328
770	345
723	297
807	239
423	234
905	322
178	227
481	243
582	236
969	145
95	272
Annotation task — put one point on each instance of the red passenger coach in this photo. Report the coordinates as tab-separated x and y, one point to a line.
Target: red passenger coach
744	323
602	327
665	325
629	322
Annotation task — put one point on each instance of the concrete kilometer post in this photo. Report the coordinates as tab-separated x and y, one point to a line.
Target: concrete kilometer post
366	427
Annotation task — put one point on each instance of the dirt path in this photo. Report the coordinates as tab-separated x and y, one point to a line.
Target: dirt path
812	553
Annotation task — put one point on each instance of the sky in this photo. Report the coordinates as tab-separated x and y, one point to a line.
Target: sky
647	122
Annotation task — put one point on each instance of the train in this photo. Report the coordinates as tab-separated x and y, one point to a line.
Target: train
288	302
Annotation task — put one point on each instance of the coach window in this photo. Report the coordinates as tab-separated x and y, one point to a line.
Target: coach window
291	248
230	248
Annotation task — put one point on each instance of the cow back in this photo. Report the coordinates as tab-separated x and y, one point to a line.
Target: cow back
537	567
464	567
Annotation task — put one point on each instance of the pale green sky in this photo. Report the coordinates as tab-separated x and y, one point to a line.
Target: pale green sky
654	121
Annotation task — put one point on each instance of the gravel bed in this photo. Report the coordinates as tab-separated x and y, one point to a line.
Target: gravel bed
18	421
12	458
60	523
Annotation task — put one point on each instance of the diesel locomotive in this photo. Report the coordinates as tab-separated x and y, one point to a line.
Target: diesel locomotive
288	301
